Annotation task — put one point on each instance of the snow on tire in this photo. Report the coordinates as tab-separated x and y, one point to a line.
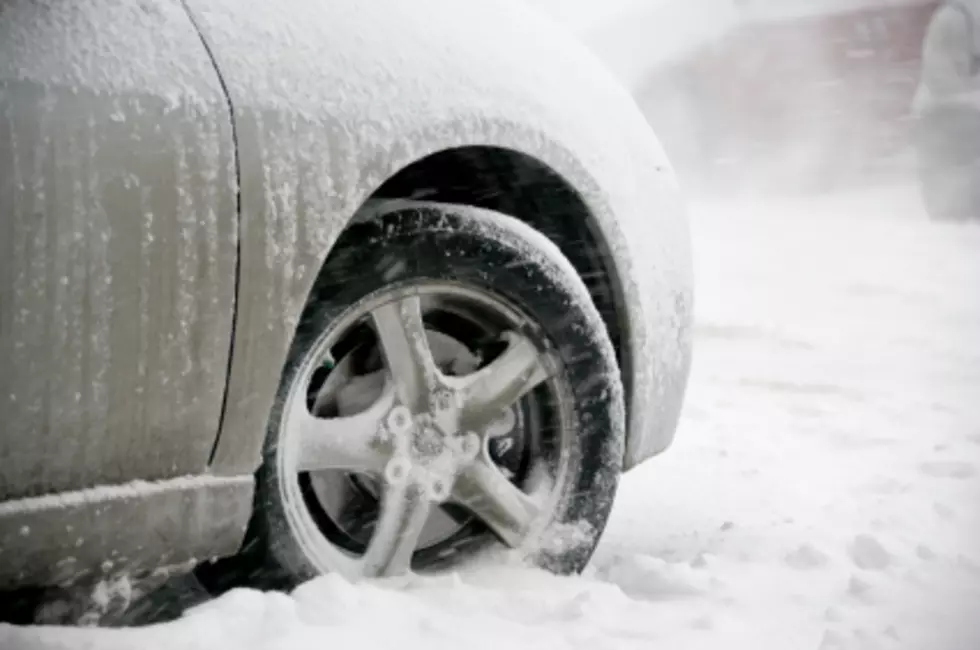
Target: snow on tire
505	316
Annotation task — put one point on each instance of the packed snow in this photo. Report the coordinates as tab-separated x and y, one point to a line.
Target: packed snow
822	492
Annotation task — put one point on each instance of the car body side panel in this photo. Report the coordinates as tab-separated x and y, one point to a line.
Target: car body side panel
118	229
133	529
332	98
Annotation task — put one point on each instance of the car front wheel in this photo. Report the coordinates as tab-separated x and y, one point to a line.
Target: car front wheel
451	387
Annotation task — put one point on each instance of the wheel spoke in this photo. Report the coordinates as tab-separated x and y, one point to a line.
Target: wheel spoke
404	511
492	389
349	442
501	505
406	351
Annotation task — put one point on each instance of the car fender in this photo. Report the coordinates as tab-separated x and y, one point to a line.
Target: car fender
330	99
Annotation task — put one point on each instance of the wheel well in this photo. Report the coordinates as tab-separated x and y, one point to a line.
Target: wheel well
522	187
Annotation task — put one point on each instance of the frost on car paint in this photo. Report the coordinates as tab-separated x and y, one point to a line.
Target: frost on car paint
298	107
89	336
129	48
117	258
135	258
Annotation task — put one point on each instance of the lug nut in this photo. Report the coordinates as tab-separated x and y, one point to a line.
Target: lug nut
400	420
397	470
438	490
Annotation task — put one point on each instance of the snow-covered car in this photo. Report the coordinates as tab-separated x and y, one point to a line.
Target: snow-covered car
327	286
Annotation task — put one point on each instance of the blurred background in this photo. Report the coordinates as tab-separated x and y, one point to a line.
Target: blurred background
770	96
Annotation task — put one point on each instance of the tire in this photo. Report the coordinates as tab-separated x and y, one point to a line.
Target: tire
573	437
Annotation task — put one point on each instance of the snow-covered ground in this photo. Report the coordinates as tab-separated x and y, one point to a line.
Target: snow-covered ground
824	490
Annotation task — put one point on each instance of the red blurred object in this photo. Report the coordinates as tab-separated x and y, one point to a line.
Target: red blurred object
807	101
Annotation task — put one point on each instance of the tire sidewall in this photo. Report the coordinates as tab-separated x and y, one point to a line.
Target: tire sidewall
487	253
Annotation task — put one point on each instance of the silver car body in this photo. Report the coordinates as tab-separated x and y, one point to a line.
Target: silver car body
172	178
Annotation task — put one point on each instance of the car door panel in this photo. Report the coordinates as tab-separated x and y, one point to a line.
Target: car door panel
118	237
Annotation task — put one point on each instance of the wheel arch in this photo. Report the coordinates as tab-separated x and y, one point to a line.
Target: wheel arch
499	177
523	187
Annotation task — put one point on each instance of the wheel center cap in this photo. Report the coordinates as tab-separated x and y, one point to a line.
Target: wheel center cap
427	442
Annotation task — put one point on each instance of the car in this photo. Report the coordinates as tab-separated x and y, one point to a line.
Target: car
340	286
947	111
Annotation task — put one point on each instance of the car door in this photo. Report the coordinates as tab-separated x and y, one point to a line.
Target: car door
118	238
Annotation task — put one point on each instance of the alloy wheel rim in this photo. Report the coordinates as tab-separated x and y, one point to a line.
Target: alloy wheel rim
425	438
